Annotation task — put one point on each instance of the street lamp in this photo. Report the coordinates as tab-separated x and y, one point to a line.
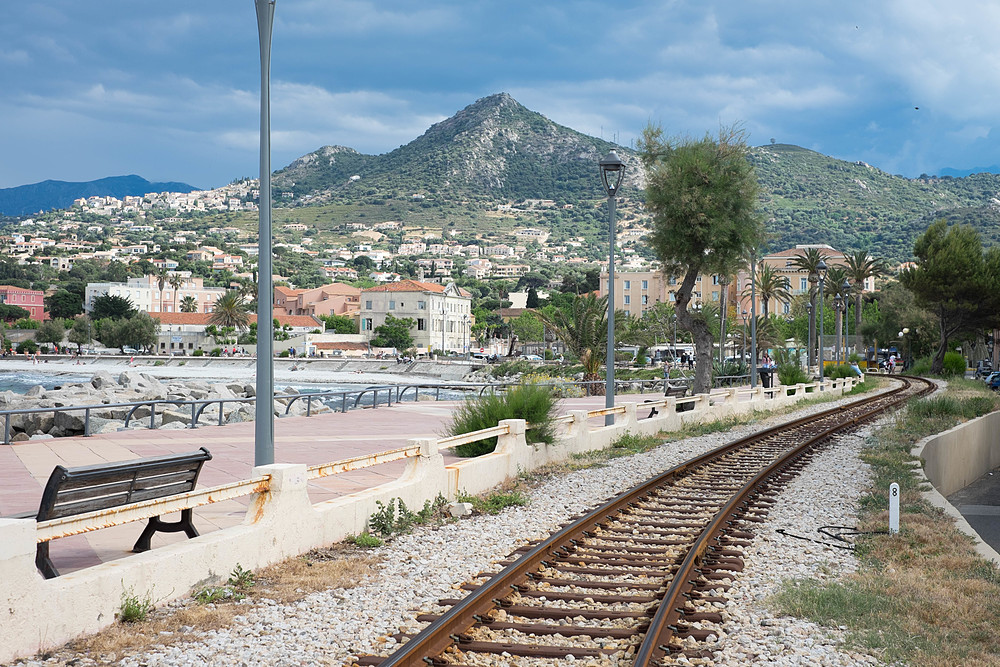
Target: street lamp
264	409
468	336
845	289
821	271
837	306
612	171
753	319
902	336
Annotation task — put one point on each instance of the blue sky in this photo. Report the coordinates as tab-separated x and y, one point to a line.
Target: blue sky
169	90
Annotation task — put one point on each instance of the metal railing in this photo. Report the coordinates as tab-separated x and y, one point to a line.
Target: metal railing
336	400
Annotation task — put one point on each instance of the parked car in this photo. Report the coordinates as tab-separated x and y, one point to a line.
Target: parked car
993	382
129	350
990	377
532	357
983	369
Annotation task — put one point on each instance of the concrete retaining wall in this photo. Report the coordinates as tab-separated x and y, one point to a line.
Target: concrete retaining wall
956	458
36	613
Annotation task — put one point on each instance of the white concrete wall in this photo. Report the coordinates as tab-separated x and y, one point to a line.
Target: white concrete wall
39	613
956	458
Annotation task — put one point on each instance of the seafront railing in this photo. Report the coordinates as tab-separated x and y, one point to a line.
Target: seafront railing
342	401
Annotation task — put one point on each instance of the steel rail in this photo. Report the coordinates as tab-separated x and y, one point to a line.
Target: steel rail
669	611
436	637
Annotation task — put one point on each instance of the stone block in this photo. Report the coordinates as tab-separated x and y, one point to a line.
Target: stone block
458	510
171	416
70	422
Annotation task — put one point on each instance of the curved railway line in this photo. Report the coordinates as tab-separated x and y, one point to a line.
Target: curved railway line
637	579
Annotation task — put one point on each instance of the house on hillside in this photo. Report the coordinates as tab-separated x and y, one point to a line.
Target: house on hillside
442	314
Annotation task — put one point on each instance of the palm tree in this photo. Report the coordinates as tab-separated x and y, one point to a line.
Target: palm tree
161	280
230	311
583	329
861	267
189	304
175	282
770	285
808	260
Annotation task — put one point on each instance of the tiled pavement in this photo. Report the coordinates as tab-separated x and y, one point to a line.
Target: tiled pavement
25	466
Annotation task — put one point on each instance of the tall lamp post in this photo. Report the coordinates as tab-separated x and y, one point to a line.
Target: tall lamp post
845	289
838	306
612	171
264	409
753	319
821	271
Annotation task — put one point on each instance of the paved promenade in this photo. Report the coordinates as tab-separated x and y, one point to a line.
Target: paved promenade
26	466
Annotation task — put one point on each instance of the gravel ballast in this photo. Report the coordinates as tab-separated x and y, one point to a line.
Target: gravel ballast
331	627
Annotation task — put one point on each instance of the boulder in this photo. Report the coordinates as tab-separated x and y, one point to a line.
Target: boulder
171	416
70	422
103	380
221	391
20	437
98	425
38	391
250	390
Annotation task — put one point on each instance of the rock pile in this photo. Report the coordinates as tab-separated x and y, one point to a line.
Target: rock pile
49	419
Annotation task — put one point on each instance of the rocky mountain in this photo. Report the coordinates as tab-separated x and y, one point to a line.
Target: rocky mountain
494	148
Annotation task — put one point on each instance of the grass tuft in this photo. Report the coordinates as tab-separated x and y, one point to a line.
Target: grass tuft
532	403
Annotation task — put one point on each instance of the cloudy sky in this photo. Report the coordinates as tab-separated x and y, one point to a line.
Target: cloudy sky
169	90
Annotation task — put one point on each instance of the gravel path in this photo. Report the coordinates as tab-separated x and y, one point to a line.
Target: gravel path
328	628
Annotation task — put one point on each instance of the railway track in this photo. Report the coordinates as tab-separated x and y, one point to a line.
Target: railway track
638	579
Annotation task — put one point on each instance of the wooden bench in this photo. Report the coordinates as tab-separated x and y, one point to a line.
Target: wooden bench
677	391
73	491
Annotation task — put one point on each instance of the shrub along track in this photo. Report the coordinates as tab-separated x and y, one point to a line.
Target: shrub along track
638	579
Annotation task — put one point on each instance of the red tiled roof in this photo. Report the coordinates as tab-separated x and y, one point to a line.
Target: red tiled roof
407	286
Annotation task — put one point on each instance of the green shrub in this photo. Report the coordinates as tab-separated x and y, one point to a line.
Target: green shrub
133	608
948	406
840	371
494	503
532	403
367	541
954	364
216	352
921	367
791	373
198	353
728	368
513	367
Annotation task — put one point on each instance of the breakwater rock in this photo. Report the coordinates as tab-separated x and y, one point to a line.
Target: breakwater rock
50	418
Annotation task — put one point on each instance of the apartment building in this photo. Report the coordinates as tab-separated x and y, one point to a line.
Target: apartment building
31	300
332	299
442	314
145	294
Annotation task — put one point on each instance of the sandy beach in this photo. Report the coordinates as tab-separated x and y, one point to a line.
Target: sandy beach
243	369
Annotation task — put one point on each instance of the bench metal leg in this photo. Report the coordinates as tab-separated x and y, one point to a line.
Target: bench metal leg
156	524
43	562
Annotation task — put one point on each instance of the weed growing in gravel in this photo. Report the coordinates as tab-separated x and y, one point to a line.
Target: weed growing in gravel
922	597
236	588
366	540
495	502
134	608
395	517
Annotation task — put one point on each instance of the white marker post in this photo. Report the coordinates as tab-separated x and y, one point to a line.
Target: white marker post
893	508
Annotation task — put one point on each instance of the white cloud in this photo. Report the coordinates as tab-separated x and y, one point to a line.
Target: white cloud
361	17
15	57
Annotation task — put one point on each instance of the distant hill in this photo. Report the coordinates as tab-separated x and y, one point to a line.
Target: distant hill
49	195
494	148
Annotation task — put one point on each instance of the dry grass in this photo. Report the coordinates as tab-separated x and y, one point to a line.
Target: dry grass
923	597
339	566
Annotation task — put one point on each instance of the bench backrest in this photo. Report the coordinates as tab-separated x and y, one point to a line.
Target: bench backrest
72	491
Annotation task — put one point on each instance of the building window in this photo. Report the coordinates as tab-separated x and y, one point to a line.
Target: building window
628	299
715	296
786	308
715	280
392	305
366	324
368	305
421	324
421	305
803	284
645	299
645	284
673	296
628	284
